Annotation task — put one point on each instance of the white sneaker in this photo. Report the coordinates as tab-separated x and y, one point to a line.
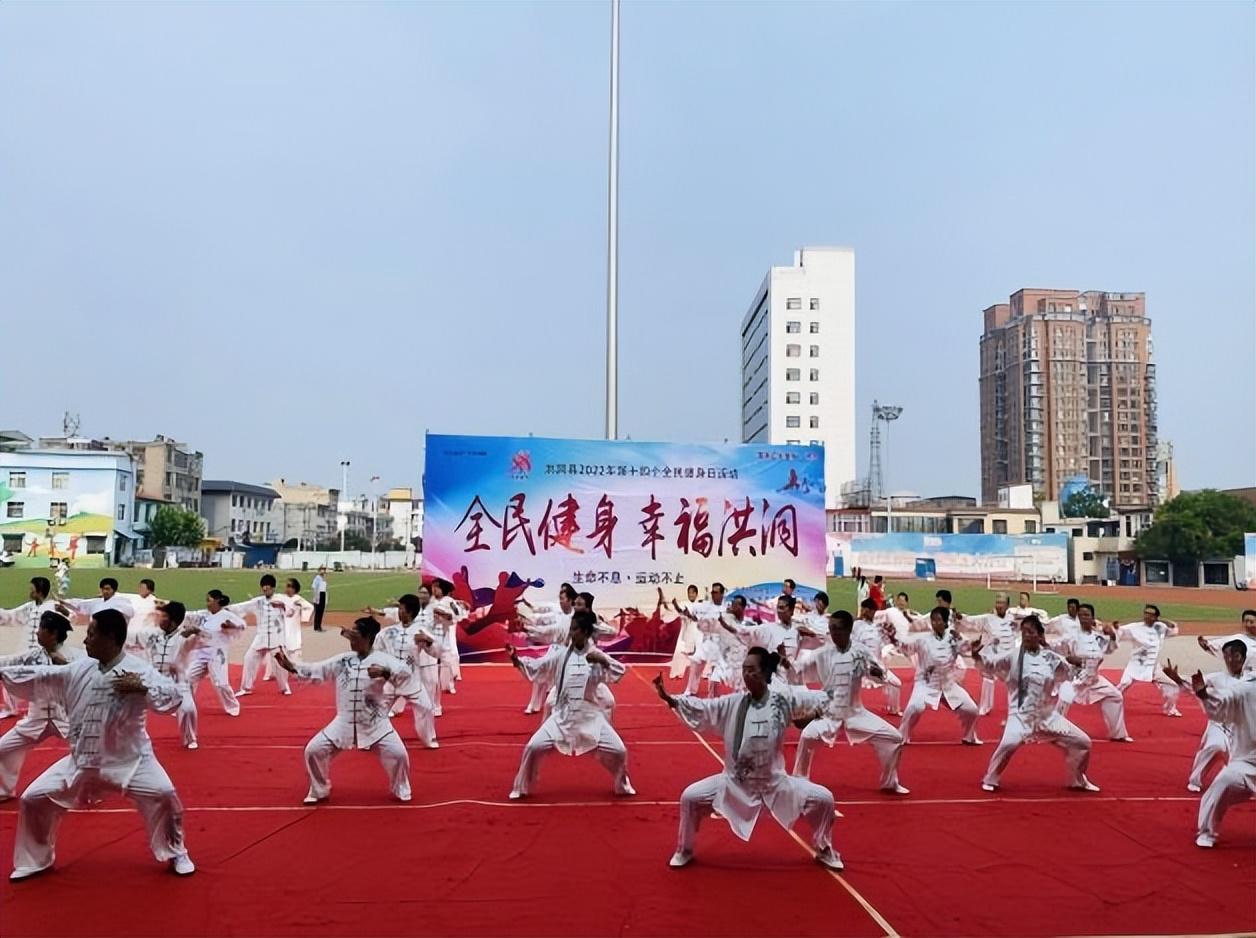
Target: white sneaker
193	745
986	786
242	692
1203	840
1122	739
828	857
1175	712
287	692
406	797
680	858
312	798
897	790
528	710
627	790
1195	788
971	742
1087	785
182	866
433	745
26	872
516	795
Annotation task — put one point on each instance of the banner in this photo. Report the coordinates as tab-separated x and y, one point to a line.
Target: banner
1249	562
1014	556
635	524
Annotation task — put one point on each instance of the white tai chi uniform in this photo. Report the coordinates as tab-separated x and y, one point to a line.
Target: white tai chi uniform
1236	708
208	656
1216	740
577	724
398	640
840	674
1062	626
550	626
1000	634
1249	663
297	611
938	675
45	717
170	653
361	721
27	616
1147	641
1088	685
1032	716
143	609
708	650
754	773
84	609
109	751
446	632
869	637
270	615
688	639
769	636
722	653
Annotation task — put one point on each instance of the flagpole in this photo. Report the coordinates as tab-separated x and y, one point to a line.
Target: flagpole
612	242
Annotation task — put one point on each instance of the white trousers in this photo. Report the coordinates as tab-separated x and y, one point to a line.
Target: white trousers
1169	692
424	718
966	712
1057	731
1214	744
320	752
610	751
696	801
893	691
14	745
1233	785
1111	704
253	660
540	690
216	671
40	813
986	704
885	740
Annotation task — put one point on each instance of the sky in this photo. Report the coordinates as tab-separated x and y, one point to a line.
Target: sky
291	234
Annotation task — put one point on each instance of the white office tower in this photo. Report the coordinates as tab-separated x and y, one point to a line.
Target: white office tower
798	360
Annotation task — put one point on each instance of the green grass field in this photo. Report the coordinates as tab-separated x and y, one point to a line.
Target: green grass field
349	592
974	599
346	591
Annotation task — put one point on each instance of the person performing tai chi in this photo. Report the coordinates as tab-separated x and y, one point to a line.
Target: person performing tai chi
168	648
1067	623
998	631
1148	637
362	676
707	654
839	668
269	614
1235	709
938	654
753	724
28	616
577	724
1031	673
1216	741
869	636
46	716
408	642
214	628
451	661
780	636
550	626
1248	637
721	650
690	636
1090	645
106	697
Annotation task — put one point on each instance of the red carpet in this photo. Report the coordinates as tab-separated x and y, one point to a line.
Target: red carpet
462	860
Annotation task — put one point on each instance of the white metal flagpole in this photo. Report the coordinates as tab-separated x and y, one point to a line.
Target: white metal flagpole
612	243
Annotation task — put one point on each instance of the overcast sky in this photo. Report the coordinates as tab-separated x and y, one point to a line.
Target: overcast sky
292	234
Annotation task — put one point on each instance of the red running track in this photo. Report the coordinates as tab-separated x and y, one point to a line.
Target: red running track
461	859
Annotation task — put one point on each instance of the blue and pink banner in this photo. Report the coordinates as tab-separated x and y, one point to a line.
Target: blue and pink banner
632	523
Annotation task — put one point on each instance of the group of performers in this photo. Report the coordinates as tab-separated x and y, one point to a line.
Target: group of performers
766	666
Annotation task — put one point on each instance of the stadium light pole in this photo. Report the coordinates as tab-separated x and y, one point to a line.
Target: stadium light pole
612	242
888	415
344	488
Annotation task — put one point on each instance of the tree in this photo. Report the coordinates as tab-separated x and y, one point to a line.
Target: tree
174	527
1085	503
354	540
1197	526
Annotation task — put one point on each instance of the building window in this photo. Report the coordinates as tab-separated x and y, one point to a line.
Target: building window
814	423
17	480
121	483
792	423
815	374
122	512
794	302
793	442
793	351
60	480
815	328
792	327
793	397
1031	527
58	511
791	374
16	509
813	303
814	397
815	351
998	526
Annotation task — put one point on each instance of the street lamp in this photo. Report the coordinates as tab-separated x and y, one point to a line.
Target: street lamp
340	508
887	414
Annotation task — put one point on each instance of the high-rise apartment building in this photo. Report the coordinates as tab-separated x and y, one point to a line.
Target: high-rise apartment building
1068	388
798	360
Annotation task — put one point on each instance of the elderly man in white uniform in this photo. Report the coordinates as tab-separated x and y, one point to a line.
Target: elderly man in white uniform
839	667
1148	637
939	673
106	696
410	643
269	614
1217	740
363	699
1091	644
27	616
215	627
1248	637
1032	673
168	649
998	631
753	724
577	724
